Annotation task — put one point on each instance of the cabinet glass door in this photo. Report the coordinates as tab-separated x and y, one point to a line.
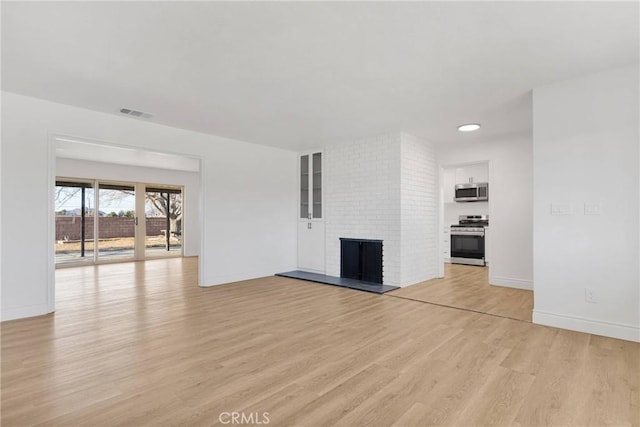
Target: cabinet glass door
317	185
304	186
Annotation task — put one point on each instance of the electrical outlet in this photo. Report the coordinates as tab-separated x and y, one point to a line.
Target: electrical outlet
590	295
561	209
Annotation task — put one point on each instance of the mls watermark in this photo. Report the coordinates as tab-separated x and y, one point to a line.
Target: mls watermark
244	418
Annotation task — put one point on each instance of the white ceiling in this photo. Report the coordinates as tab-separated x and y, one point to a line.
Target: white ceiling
298	75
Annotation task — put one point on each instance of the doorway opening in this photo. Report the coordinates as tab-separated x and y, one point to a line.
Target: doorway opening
467	223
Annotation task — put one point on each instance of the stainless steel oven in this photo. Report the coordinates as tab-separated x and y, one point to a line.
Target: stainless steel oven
467	240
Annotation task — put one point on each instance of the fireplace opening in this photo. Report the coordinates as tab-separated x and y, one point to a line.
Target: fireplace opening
361	259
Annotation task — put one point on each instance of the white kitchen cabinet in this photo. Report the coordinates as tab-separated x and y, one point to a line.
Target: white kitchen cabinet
476	172
446	244
448	184
311	235
311	240
487	245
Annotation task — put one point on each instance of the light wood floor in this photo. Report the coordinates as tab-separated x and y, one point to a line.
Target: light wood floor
140	344
467	287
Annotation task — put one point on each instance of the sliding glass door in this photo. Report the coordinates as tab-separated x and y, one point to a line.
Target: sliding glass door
163	219
74	215
113	212
116	221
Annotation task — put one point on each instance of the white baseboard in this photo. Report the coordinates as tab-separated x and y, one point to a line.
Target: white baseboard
509	282
232	278
22	312
590	326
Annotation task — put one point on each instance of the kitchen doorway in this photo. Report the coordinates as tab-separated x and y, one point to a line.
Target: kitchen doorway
467	263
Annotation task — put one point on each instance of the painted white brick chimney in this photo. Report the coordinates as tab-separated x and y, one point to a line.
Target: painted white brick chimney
384	187
419	210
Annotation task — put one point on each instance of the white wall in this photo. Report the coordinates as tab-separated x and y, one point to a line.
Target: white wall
190	181
586	151
362	199
249	197
419	210
510	204
453	210
1	192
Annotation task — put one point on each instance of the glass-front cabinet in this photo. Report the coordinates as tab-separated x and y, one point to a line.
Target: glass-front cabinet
311	186
311	237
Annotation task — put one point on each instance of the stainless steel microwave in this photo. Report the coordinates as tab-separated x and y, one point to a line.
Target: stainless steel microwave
475	192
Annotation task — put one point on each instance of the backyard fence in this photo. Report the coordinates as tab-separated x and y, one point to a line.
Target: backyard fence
69	227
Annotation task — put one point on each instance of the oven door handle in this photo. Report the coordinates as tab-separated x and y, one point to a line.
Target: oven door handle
467	233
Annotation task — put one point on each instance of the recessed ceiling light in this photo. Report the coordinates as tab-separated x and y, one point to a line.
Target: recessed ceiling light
469	127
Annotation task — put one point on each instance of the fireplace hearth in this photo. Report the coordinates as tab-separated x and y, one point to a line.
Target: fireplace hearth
360	267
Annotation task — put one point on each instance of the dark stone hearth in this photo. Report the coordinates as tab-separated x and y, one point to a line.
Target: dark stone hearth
339	281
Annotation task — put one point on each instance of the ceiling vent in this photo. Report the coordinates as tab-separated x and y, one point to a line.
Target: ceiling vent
135	113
